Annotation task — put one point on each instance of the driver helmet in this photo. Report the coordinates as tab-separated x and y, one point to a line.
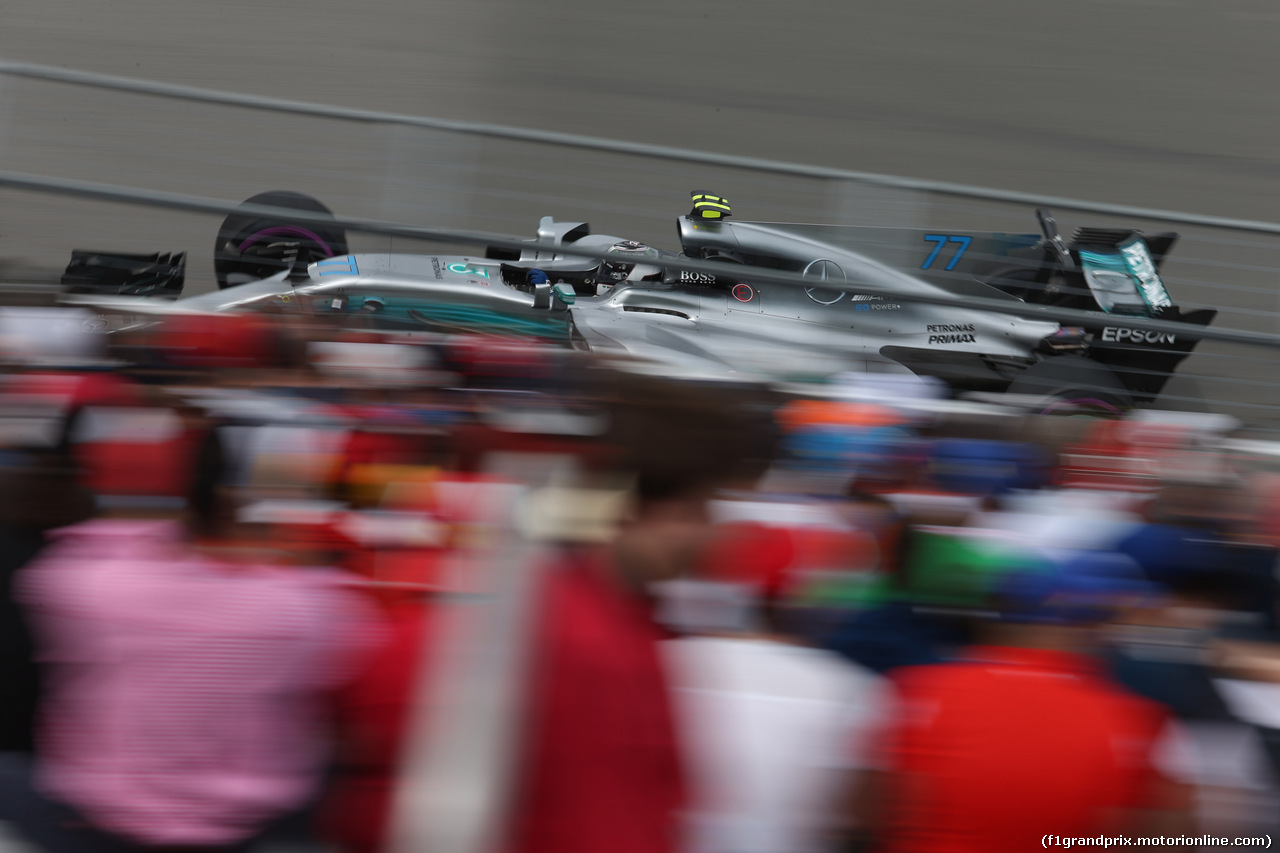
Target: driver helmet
624	262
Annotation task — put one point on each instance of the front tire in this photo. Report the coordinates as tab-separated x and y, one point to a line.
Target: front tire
251	247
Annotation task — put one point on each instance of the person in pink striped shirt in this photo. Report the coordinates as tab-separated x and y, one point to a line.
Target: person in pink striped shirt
186	696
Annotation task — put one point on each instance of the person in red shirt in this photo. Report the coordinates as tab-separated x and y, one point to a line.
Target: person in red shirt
602	770
1021	738
597	765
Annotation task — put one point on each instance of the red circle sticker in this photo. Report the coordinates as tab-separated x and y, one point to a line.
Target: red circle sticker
743	292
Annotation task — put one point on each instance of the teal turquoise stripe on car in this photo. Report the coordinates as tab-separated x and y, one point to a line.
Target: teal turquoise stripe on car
1110	262
338	266
544	325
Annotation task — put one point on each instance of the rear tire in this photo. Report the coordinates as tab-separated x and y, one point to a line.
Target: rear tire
1076	386
251	247
1094	406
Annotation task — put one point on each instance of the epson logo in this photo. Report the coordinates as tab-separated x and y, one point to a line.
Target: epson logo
1137	336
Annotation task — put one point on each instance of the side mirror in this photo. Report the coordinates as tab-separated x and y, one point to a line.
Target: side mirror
542	296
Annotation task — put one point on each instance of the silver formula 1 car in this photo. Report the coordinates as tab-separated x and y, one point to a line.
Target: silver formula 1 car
610	295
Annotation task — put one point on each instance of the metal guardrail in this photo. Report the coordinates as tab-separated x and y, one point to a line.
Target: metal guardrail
193	93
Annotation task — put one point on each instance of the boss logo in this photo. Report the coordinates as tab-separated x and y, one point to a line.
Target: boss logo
1137	336
696	277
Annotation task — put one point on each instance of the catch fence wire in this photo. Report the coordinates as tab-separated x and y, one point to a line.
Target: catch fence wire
88	129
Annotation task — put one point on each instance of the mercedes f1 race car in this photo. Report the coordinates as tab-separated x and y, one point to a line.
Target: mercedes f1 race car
854	303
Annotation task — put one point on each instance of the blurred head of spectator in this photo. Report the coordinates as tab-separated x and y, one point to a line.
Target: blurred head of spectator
680	443
1083	588
41	490
827	445
1219	505
987	467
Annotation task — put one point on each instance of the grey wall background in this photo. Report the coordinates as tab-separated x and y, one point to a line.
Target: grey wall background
1163	103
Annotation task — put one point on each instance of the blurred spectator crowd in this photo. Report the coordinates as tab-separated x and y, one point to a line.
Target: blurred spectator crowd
267	581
